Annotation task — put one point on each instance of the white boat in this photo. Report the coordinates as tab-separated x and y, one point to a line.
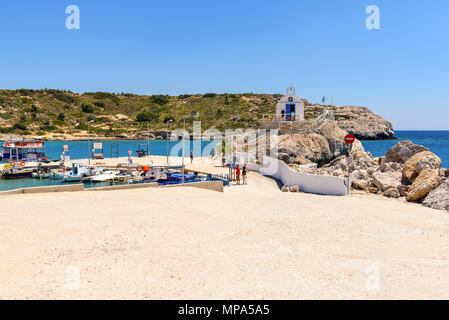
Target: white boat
78	173
105	176
41	175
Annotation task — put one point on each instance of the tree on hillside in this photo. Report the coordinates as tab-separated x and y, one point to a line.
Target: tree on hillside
87	108
160	99
147	116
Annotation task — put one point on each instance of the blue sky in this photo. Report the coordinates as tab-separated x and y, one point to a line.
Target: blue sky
173	47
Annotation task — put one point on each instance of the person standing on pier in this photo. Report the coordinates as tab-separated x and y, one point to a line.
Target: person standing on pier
237	174
244	172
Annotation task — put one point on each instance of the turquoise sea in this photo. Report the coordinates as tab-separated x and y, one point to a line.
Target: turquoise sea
436	141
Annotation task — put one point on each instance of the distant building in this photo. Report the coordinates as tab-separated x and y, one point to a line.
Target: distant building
290	107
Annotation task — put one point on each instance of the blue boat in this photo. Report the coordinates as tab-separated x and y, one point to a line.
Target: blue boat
23	150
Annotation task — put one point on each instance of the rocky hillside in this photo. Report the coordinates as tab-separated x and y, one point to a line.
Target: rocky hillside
61	114
359	121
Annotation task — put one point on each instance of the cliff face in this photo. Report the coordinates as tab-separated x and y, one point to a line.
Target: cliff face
365	125
359	121
319	148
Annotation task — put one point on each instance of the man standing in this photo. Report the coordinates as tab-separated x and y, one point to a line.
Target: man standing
244	172
191	156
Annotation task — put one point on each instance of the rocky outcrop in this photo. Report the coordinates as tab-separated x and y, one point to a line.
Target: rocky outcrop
392	175
363	123
403	151
438	198
419	162
320	148
360	121
427	180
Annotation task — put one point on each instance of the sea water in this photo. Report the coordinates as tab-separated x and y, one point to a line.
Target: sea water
435	141
79	150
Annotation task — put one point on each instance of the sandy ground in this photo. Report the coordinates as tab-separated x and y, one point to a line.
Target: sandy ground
250	242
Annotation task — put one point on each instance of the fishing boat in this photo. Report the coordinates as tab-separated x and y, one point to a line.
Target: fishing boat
78	173
16	172
41	175
23	150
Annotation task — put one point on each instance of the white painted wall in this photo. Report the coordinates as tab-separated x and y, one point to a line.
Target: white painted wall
310	183
299	104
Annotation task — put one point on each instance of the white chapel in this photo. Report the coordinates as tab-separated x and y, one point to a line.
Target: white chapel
290	107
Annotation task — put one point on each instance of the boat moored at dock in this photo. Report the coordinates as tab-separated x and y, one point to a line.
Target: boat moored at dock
23	150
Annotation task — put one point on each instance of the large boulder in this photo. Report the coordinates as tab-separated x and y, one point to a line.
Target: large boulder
428	162
360	179
336	136
387	180
427	180
312	146
438	198
403	151
320	148
418	162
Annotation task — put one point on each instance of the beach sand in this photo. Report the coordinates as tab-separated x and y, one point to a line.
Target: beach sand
250	242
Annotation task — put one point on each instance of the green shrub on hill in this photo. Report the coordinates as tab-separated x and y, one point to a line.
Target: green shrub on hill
99	104
47	127
61	96
6	116
81	126
160	99
19	126
147	116
87	108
